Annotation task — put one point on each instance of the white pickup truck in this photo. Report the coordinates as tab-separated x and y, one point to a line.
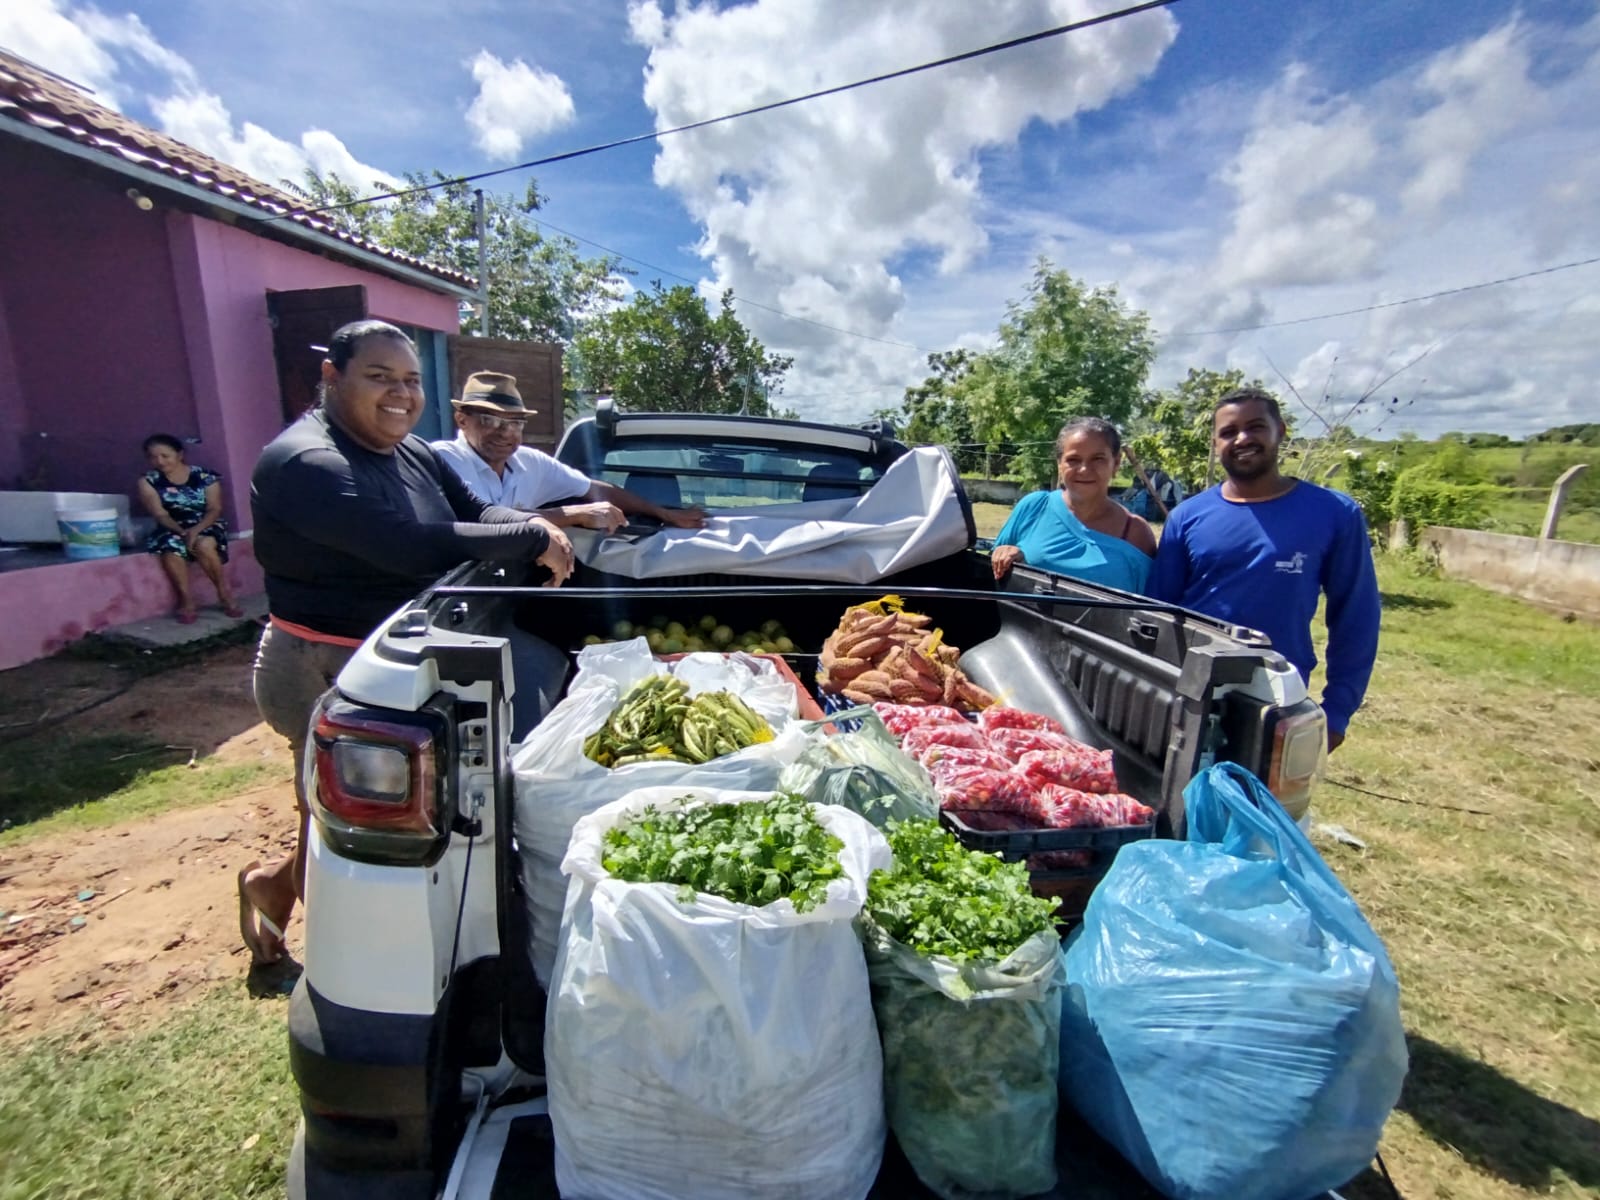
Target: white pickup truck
416	1032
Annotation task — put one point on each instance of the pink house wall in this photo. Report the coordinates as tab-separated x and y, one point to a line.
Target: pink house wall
13	420
49	608
116	323
91	311
122	323
224	275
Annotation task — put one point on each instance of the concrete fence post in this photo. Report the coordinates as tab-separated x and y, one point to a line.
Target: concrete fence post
1558	497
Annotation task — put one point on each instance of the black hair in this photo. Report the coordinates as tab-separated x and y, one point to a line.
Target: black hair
347	339
1099	426
1249	395
163	439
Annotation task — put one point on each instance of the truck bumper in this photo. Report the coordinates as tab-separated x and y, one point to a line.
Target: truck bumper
365	1089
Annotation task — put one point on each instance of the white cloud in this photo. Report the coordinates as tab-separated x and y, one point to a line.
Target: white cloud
815	209
131	36
515	102
1472	166
1298	219
41	32
1483	92
119	58
201	120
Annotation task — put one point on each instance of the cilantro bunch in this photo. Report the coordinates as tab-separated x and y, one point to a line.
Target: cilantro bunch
748	853
942	898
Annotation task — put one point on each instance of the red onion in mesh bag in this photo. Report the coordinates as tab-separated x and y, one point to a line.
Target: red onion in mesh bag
965	734
1000	717
1075	766
902	718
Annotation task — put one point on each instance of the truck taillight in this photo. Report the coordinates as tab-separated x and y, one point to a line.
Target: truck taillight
377	781
1298	745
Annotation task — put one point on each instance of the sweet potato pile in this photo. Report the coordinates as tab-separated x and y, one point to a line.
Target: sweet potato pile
880	652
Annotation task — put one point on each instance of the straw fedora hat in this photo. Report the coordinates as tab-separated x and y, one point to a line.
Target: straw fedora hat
492	392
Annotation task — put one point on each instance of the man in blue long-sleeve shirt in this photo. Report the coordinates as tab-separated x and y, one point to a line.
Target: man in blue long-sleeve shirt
1259	548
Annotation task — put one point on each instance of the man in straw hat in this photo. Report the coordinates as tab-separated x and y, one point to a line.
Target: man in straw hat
489	456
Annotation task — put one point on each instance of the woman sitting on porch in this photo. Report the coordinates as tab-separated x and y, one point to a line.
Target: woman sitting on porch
186	503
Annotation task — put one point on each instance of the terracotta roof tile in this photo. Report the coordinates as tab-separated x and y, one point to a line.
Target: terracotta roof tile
35	97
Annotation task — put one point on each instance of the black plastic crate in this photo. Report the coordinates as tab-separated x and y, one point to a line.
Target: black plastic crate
1072	884
1016	844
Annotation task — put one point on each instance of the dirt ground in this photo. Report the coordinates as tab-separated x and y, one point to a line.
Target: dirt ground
126	921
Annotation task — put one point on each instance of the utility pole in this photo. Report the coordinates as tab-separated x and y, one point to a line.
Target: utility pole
483	268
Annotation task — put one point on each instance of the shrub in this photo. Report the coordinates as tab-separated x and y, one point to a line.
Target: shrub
1419	495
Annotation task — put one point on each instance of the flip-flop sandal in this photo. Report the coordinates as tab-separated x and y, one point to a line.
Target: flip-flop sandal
185	618
233	611
253	923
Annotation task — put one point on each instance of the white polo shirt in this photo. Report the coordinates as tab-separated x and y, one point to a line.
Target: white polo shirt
532	479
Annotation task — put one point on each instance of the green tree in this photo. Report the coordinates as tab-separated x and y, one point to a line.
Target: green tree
540	287
934	413
1065	351
666	352
1453	462
1172	430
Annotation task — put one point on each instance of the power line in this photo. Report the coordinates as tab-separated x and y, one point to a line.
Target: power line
1351	312
752	303
653	135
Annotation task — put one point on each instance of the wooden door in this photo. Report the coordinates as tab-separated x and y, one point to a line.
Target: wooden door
302	324
537	368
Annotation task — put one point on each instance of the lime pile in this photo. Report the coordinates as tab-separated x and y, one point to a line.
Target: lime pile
708	633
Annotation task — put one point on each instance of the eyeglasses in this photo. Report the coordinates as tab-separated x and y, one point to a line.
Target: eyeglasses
485	421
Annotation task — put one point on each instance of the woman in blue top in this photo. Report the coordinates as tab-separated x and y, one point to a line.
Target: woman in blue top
1080	531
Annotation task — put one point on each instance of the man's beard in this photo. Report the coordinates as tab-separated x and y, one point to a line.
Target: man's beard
1254	467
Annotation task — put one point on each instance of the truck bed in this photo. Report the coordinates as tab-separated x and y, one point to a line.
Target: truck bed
1117	671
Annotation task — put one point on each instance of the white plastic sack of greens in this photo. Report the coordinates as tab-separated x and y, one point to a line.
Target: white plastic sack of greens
969	1053
708	1050
1232	1023
556	784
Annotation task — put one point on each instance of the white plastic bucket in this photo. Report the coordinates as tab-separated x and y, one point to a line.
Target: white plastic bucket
89	532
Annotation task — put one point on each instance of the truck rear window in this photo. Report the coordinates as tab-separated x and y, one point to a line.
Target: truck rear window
733	475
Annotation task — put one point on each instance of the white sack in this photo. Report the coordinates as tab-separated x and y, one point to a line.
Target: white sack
556	784
713	1050
913	515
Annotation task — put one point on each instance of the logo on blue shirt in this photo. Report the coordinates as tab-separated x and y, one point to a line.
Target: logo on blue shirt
1291	566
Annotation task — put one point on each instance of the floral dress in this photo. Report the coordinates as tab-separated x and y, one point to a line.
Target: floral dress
186	504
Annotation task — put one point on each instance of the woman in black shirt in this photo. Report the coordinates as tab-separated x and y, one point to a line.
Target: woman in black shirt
353	517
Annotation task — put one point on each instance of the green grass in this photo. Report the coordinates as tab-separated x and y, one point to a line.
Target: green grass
1495	640
990	517
1523	515
161	1112
1493	922
51	785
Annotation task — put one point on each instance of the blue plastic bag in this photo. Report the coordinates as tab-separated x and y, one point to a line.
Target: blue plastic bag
1231	1022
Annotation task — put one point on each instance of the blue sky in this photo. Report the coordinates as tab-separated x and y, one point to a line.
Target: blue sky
1224	163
